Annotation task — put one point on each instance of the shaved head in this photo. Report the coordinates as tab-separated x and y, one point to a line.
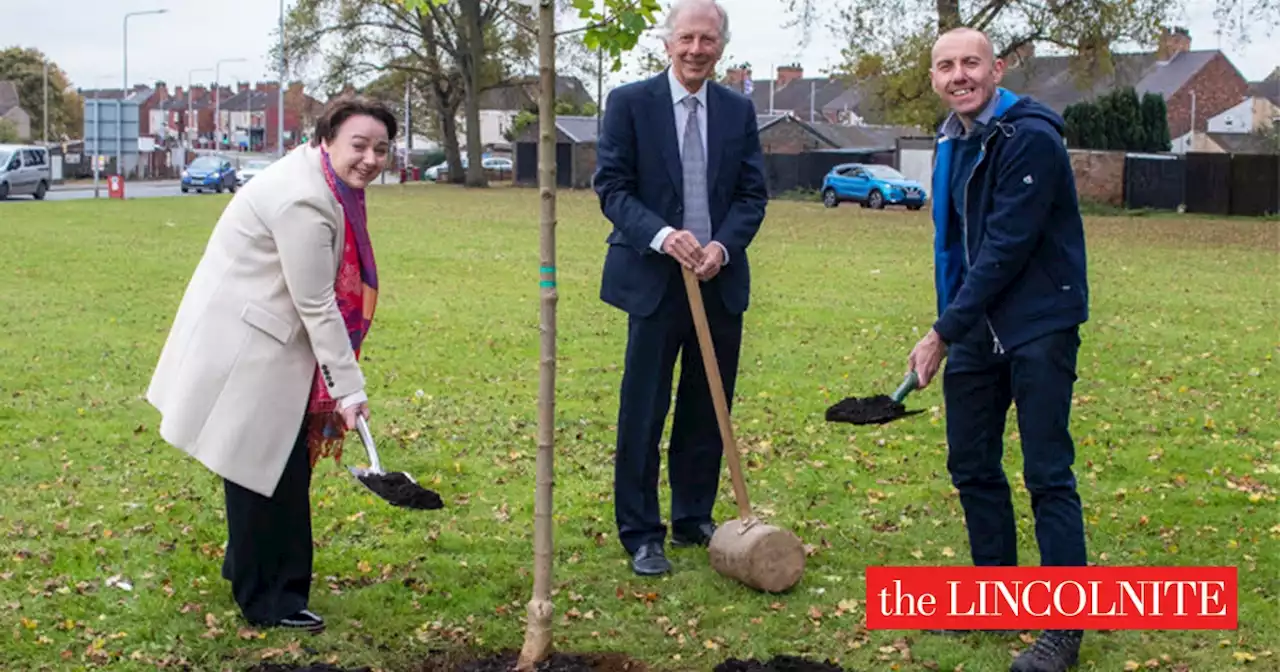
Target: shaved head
966	33
965	72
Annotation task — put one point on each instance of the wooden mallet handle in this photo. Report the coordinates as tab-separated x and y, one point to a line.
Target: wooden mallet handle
694	291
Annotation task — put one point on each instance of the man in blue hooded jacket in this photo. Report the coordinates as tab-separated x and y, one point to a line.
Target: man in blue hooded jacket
1012	293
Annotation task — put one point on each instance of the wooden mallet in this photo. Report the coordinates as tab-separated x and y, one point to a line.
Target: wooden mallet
764	557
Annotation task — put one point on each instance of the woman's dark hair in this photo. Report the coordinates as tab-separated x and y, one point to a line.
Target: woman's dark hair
344	107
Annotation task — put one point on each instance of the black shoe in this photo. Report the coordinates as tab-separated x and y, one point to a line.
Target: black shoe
649	560
303	620
698	536
1053	651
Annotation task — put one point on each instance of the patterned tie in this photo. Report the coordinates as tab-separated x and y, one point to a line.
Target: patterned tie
697	217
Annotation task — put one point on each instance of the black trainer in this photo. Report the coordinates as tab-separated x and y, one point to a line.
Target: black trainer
303	620
1053	651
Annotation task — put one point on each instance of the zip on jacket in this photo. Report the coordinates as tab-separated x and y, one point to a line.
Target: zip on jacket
964	223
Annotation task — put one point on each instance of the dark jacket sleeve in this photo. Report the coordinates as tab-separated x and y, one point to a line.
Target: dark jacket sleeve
615	177
750	195
1027	178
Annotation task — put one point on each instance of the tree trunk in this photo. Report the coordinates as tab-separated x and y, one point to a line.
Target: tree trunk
537	638
948	15
471	64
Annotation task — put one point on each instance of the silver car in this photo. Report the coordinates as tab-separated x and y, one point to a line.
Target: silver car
24	170
250	169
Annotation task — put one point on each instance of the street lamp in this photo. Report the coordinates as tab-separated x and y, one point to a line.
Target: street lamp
190	107
279	93
125	91
217	99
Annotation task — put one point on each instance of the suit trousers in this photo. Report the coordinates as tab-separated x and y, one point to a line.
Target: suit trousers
269	547
653	344
978	386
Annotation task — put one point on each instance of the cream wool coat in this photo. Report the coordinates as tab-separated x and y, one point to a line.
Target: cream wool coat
259	312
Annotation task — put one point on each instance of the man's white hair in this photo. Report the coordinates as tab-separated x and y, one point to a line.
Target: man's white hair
668	27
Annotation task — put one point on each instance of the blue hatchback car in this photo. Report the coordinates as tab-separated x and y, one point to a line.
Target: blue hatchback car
872	185
209	173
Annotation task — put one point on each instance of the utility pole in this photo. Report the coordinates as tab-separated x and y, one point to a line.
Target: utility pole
46	101
280	91
125	92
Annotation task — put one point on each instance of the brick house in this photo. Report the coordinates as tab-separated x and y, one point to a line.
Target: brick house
1195	85
814	99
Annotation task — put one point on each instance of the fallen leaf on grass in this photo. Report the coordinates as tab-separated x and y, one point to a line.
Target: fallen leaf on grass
1244	657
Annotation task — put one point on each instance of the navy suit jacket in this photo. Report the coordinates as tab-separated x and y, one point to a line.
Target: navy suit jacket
640	184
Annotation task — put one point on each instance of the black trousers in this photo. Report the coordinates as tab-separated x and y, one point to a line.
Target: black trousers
653	344
979	385
269	552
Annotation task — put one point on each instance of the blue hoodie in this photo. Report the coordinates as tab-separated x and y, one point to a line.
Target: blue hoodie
1016	262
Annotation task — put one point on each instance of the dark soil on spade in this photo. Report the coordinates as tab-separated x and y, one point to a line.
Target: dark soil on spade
397	489
875	410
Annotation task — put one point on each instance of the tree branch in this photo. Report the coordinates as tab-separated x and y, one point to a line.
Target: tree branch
501	10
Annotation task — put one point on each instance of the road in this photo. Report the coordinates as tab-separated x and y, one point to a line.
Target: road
132	190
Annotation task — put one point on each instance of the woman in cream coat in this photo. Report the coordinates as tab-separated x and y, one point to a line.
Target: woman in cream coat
259	375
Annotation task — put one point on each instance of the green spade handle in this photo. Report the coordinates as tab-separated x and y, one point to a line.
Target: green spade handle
906	387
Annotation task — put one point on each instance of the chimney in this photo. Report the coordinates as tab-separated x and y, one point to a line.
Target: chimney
734	78
241	87
788	74
1173	42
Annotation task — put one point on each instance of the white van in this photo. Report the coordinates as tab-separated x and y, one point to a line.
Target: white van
24	170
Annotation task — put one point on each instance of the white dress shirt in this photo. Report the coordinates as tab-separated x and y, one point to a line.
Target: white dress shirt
678	94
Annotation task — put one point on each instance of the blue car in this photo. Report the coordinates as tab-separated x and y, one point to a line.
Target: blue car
872	185
209	173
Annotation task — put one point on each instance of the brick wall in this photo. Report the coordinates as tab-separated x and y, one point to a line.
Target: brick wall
1099	175
787	137
1218	87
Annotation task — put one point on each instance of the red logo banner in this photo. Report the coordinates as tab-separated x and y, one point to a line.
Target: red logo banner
1037	598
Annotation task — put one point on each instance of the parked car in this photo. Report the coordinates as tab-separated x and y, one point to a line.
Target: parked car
872	185
24	170
209	173
250	169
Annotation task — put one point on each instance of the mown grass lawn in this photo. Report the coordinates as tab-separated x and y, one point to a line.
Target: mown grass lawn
110	540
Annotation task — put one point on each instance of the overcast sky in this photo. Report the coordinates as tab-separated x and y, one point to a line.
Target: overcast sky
85	38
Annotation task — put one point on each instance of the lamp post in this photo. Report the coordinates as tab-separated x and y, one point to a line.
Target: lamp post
125	91
280	92
217	99
191	106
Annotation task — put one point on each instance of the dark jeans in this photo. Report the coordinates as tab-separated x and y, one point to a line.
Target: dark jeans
269	553
978	386
653	344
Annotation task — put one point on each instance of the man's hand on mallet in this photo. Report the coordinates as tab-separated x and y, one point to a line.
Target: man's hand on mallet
684	248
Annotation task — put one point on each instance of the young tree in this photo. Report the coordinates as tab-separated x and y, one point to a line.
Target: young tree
614	31
1155	119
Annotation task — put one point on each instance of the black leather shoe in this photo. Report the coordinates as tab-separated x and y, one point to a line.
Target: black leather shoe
650	561
303	620
698	536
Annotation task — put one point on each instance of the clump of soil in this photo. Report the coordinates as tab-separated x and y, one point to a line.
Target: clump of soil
556	662
397	489
318	667
875	410
777	664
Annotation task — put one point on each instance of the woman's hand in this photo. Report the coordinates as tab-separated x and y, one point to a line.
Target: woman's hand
350	413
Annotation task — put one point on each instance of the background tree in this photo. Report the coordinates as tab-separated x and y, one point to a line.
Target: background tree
8	132
450	52
889	40
25	68
1119	121
1155	118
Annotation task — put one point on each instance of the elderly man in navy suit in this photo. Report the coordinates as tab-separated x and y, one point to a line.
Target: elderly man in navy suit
680	175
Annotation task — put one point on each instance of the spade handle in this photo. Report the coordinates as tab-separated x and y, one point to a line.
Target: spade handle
717	392
909	384
367	439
